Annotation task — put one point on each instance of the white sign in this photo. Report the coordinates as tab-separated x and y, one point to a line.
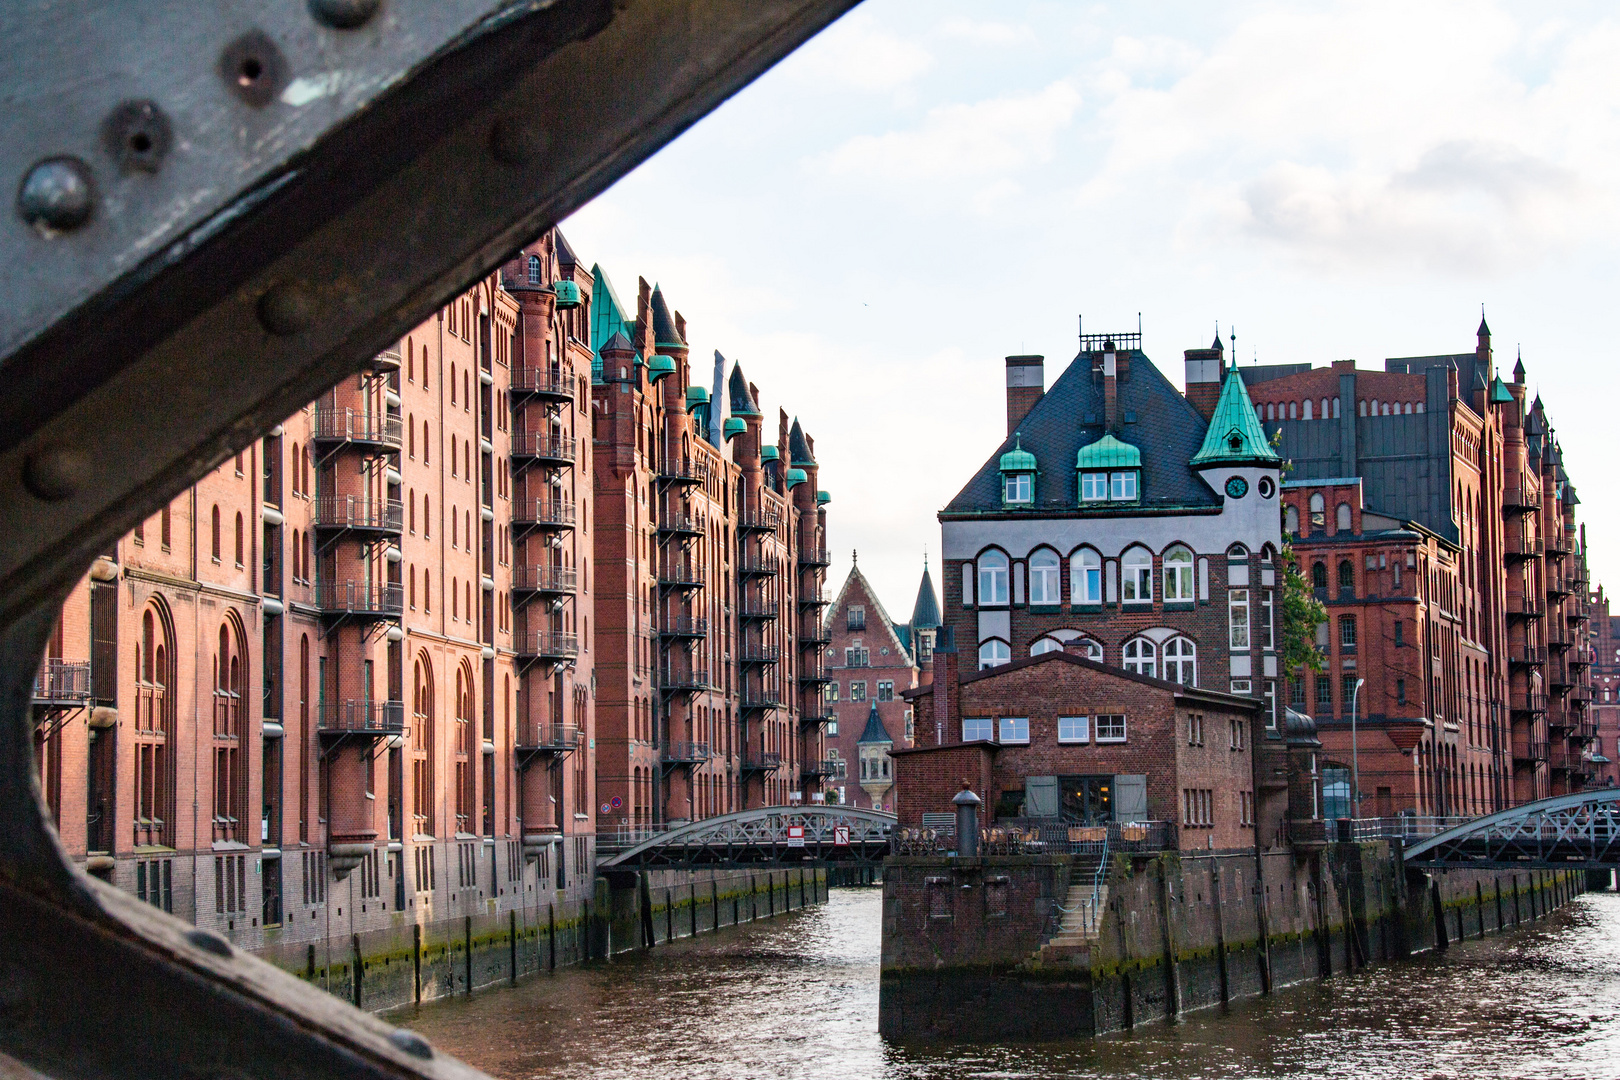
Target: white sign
841	835
795	836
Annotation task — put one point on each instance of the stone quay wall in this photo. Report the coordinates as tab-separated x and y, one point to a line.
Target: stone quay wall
962	938
409	962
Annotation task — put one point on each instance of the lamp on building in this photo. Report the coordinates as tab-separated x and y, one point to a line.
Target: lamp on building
1355	765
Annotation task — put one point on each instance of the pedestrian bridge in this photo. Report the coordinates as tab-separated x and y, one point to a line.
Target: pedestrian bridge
1565	832
769	836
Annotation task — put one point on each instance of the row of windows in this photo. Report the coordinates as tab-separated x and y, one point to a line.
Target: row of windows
1019	487
1103	728
1311	409
857	690
990	579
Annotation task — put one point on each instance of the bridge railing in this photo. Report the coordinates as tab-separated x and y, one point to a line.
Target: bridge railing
1041	836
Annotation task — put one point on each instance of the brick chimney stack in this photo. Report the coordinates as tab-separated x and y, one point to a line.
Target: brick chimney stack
1205	369
1110	375
1026	384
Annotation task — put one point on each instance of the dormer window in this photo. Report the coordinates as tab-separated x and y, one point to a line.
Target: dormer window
1017	475
1122	486
1110	471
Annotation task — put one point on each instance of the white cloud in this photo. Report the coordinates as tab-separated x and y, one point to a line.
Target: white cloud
988	138
857	52
986	33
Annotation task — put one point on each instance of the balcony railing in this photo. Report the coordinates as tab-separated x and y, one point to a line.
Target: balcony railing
386	361
1527	656
680	525
681	577
1530	751
758	521
758	762
548	645
759	654
815	770
356	426
377	717
814	557
360	598
756	566
1518	546
817	719
684	627
685	753
696	678
554	738
683	471
1524	607
1519	501
755	609
813	597
62	681
359	512
557	580
1559	544
553	385
555	449
1527	703
540	513
761	697
1355	830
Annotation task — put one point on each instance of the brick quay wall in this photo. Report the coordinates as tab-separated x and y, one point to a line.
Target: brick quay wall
962	939
406	963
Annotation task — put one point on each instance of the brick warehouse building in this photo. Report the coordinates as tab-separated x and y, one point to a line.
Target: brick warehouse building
1432	511
401	657
1125	523
872	661
1604	641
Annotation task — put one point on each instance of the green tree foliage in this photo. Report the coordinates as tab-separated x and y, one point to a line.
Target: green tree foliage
1302	612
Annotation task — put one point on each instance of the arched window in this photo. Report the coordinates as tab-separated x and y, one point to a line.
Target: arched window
1237	553
308	491
295	486
422	747
1141	656
992	578
1318	506
1044	578
153	794
1343	522
534	269
1045	645
1307	414
1178	575
230	775
465	787
1138	574
1181	661
1059	640
1324	408
1291	519
994	653
216	546
1319	575
1347	574
1085	577
241	538
1293	410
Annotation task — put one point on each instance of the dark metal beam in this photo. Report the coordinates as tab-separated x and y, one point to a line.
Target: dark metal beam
206	236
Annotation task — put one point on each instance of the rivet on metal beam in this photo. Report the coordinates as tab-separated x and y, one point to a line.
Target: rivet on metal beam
410	1042
253	68
137	135
55	473
56	195
209	942
287	308
517	140
344	14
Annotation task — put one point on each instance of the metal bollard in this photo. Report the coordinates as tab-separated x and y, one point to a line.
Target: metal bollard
967	823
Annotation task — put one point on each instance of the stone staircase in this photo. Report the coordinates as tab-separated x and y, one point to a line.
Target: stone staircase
1080	921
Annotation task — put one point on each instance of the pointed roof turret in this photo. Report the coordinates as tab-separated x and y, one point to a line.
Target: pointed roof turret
1518	370
618	343
664	331
565	254
925	612
798	447
1499	392
1235	436
607	318
1218	347
1484	330
742	400
875	731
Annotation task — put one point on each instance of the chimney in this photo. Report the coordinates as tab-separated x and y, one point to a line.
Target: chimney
1204	370
1026	383
1110	374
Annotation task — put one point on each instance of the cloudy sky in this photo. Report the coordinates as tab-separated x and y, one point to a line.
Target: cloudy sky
872	226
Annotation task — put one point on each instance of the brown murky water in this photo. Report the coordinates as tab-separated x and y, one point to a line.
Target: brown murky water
797	997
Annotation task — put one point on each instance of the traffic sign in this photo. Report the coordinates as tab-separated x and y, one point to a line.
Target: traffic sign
795	836
841	835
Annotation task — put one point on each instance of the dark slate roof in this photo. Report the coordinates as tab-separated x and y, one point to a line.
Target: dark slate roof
925	612
618	343
875	731
798	448
1166	428
664	332
1218	347
1484	330
565	254
903	632
742	402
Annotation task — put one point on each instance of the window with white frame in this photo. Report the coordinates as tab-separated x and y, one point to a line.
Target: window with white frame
1266	639
1180	658
1141	656
1045	645
992	578
1018	487
1044	578
1237	604
1074	729
1122	486
1137	568
994	653
1085	577
1111	727
1014	729
977	729
1178	575
1094	487
1242	686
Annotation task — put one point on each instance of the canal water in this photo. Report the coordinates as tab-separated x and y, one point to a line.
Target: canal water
797	996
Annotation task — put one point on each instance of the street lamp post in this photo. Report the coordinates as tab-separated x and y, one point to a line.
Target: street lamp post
1355	763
